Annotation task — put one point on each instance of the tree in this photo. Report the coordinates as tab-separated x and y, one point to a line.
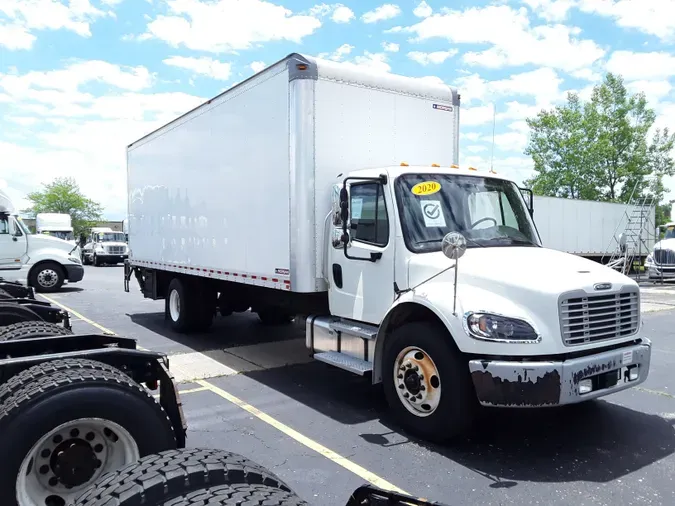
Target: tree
600	150
63	195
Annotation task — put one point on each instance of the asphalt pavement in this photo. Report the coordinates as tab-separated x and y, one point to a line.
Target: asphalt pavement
254	390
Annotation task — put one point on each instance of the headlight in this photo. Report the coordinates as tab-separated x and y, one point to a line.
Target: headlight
494	327
75	260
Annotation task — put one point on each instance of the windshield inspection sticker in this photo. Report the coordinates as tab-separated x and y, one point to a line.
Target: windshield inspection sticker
426	188
433	214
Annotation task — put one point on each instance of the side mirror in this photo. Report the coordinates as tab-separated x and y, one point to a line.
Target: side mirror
530	199
453	245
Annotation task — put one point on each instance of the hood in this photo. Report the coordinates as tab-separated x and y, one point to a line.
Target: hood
505	268
46	241
665	244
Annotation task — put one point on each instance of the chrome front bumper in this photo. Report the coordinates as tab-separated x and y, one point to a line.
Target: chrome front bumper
519	384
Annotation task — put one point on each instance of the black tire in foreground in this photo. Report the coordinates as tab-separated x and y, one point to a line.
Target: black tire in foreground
31	329
62	427
422	361
15	313
157	479
238	495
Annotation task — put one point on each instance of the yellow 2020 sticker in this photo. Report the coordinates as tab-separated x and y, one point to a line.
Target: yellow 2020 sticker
426	188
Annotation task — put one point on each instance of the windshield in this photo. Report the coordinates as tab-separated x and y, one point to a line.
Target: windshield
111	237
488	212
66	236
670	233
22	226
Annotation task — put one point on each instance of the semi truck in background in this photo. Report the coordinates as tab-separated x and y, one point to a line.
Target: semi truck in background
331	194
584	227
39	260
105	246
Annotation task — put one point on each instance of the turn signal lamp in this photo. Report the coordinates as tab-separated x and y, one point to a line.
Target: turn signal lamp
473	168
435	165
404	164
453	166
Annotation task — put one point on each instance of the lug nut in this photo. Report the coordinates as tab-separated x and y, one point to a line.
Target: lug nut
416	368
401	386
400	376
422	387
405	394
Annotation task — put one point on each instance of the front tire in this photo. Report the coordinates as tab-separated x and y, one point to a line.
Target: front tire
59	432
47	277
427	382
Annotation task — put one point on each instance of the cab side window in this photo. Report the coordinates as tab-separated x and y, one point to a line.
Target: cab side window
368	211
4	224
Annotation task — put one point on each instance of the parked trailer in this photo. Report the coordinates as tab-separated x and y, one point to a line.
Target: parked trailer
73	407
291	195
584	227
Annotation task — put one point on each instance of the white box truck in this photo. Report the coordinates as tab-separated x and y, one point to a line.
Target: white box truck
39	260
294	194
585	227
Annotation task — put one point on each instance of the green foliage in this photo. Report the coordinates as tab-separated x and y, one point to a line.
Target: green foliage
600	149
63	195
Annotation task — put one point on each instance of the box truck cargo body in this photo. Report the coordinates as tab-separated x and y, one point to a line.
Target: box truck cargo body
584	227
319	191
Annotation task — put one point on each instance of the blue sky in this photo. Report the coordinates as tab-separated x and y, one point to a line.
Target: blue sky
80	79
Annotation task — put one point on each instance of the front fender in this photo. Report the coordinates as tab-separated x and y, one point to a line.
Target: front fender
409	306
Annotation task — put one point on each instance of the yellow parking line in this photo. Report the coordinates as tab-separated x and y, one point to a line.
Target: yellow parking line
81	317
309	443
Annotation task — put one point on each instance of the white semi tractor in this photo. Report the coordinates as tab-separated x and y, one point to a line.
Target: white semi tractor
39	260
330	194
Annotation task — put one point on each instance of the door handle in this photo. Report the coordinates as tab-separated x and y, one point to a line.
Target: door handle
14	239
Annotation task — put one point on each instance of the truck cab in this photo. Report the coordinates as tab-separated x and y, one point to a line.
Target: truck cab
436	271
105	246
660	263
41	261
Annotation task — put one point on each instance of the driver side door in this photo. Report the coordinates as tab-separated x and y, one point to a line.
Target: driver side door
13	244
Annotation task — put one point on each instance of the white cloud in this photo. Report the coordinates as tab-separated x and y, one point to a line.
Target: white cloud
638	66
373	61
338	54
543	84
509	141
74	133
654	90
512	39
381	13
203	66
257	66
479	115
551	10
654	17
390	47
342	14
226	26
27	16
587	74
423	10
435	57
517	168
475	148
15	37
472	136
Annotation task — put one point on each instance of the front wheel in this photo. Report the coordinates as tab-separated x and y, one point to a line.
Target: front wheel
47	277
427	382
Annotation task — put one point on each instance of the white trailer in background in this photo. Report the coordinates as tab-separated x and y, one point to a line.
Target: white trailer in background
290	195
583	227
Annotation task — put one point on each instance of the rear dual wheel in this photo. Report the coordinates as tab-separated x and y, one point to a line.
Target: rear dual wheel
188	307
65	423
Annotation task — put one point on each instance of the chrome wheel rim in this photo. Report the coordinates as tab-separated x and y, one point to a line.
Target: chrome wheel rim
47	278
174	305
417	381
69	458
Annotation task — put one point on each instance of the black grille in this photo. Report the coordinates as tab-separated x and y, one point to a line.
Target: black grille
590	318
664	257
